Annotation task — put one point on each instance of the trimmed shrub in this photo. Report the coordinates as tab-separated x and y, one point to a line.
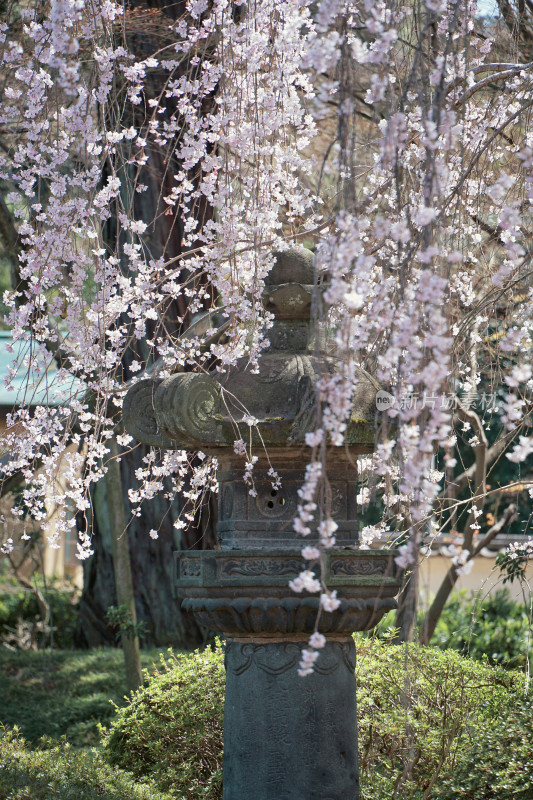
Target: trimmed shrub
497	764
418	709
172	729
495	629
60	772
432	726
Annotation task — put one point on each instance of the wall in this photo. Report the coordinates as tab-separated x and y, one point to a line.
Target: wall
483	577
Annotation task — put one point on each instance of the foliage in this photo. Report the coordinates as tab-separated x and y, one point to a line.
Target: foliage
495	629
424	716
56	770
19	612
497	763
119	617
418	708
64	693
172	729
514	561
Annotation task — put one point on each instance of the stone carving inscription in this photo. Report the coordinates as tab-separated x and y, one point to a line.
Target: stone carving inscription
190	567
359	566
259	566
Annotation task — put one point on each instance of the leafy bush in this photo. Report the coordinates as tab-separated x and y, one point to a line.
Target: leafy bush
495	629
418	707
60	772
20	616
172	729
432	725
498	763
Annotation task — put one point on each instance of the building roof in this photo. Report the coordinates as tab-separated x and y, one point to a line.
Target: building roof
39	388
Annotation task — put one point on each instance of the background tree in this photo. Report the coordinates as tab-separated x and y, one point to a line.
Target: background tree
147	29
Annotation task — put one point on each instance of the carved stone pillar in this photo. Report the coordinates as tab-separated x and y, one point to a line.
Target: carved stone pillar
300	742
285	737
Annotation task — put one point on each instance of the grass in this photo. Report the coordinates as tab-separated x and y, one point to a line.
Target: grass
63	693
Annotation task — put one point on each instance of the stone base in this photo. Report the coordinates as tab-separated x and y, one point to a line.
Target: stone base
287	737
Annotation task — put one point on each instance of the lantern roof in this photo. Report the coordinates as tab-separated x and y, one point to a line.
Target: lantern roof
277	403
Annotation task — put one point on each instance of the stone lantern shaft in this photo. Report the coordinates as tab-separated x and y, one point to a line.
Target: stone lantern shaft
285	737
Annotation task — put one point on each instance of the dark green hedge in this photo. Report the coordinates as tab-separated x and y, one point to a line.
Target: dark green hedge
419	710
497	763
172	729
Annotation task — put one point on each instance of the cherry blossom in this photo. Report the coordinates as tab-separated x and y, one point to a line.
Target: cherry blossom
410	177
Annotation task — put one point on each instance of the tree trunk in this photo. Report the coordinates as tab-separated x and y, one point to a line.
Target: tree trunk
151	567
151	560
129	636
427	628
429	623
406	615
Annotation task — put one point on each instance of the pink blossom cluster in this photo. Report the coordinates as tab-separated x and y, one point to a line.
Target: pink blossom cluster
342	124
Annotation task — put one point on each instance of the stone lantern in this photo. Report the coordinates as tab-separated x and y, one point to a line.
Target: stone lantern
286	737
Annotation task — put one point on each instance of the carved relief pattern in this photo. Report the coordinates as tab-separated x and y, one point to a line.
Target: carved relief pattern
190	567
350	566
202	401
306	408
280	658
186	405
139	414
271	615
338	500
259	566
